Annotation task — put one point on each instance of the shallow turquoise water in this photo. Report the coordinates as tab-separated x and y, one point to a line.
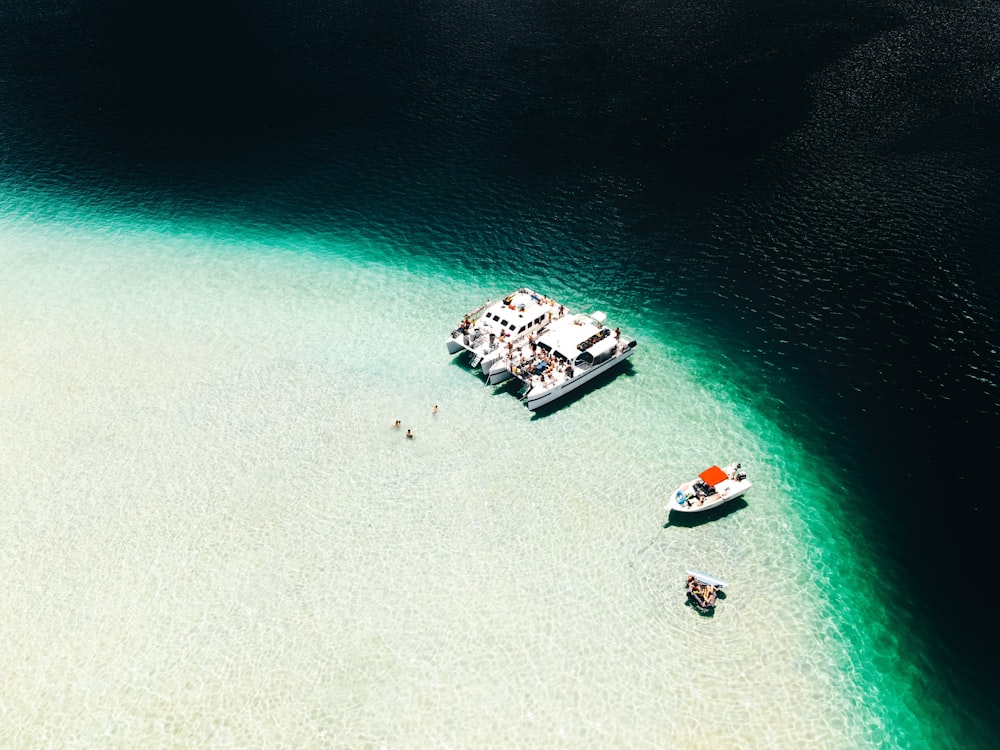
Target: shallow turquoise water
213	538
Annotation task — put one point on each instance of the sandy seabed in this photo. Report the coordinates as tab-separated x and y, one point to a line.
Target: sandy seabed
212	537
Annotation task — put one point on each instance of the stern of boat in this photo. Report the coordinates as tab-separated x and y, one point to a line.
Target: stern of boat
498	373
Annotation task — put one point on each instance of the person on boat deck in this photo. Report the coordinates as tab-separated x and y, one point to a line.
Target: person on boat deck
618	333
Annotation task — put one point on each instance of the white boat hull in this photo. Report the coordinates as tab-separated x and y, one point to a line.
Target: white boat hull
684	499
713	501
498	373
490	360
479	349
536	398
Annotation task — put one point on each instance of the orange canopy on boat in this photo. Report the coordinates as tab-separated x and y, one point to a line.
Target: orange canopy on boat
713	475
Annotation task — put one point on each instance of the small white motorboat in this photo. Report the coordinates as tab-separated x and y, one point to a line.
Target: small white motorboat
710	489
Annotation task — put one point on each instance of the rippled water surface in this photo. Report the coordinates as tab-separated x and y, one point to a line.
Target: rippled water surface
232	243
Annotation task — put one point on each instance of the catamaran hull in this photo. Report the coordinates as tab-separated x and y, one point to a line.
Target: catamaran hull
498	374
490	360
548	396
480	353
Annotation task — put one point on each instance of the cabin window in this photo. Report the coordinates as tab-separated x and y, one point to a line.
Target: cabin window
522	330
512	326
503	322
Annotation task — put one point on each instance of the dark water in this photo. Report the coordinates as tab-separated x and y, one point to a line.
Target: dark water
811	188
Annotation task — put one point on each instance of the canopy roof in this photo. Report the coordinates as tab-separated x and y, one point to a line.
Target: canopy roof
713	475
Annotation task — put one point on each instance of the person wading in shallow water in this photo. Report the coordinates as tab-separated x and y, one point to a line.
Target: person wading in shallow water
409	434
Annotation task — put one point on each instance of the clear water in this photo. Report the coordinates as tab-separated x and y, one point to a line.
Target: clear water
233	237
212	537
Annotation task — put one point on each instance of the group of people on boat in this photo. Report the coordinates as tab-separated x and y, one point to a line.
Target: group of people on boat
463	328
697	495
585	345
703	489
544	366
702	595
517	335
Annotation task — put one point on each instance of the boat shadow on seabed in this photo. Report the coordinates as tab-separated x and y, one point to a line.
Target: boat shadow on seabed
693	520
702	606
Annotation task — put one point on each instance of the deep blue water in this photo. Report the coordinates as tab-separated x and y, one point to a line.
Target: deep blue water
811	189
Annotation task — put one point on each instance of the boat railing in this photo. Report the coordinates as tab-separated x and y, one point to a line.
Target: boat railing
472	315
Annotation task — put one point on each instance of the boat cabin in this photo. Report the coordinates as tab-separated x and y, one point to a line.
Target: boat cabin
516	318
595	353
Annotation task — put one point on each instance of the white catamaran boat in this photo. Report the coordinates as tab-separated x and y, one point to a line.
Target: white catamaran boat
493	331
569	352
710	489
